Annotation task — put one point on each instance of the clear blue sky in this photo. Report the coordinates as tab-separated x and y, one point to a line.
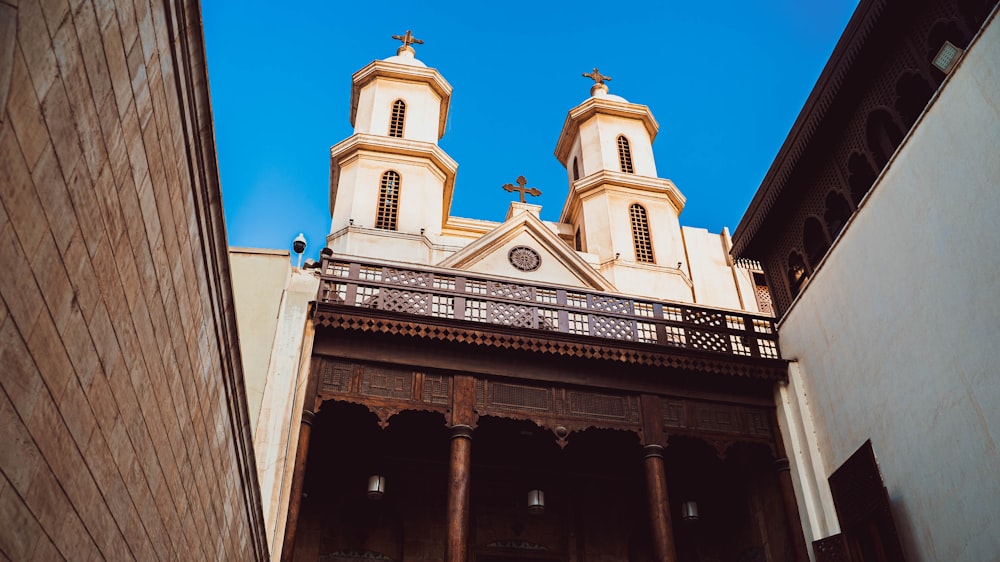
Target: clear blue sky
724	80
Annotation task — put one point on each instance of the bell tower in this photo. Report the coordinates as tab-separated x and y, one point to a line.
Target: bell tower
390	178
620	211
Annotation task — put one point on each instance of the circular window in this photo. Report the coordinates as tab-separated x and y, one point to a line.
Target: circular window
524	258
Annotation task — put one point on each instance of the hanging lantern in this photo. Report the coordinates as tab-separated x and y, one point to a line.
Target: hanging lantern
536	502
376	487
689	511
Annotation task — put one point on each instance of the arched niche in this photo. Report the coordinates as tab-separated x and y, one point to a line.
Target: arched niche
860	176
814	241
882	136
836	213
912	94
796	273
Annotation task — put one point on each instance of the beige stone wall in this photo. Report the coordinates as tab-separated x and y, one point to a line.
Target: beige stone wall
896	332
123	423
260	278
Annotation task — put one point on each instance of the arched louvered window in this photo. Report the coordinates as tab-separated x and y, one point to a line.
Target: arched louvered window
398	117
640	233
625	155
388	201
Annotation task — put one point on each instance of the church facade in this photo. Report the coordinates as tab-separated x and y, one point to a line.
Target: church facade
609	386
597	388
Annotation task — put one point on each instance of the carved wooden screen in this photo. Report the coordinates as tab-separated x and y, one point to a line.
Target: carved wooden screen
640	233
624	155
388	201
862	502
398	118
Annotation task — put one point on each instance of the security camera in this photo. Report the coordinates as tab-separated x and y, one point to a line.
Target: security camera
299	244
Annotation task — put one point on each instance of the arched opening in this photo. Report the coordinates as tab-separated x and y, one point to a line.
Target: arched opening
388	201
347	447
641	241
883	136
397	119
576	169
734	485
912	95
814	241
836	214
860	176
796	273
624	155
578	242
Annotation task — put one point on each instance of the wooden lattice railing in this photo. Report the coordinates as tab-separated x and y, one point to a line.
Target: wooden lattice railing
481	299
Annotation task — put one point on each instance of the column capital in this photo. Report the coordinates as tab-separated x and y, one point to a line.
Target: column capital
460	430
652	450
307	417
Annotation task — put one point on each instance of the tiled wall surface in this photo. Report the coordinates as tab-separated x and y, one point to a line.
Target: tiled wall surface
123	424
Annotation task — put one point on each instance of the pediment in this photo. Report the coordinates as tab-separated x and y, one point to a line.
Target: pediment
559	264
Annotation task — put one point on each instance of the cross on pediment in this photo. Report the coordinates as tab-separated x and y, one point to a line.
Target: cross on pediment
521	182
597	77
408	39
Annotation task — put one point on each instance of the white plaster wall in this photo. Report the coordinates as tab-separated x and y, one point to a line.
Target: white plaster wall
420	192
259	277
708	266
897	332
550	271
646	280
423	109
609	227
278	423
370	243
599	145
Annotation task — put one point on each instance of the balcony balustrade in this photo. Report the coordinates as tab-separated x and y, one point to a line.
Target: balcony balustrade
473	298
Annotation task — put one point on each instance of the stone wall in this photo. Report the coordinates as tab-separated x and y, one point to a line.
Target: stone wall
123	420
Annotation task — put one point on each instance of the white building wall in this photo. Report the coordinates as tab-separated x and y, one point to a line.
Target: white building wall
897	332
259	277
423	109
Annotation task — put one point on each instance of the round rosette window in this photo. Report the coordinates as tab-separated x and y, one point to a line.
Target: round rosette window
524	258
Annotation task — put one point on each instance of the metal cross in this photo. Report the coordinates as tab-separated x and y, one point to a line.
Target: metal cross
521	182
408	39
597	77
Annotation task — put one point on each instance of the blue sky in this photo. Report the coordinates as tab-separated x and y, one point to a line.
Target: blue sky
724	80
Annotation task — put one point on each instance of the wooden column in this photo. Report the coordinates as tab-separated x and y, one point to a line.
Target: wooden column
460	471
784	473
783	470
656	478
463	419
295	496
659	505
310	404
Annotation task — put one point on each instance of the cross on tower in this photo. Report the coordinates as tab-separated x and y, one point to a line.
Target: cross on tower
521	182
597	77
407	39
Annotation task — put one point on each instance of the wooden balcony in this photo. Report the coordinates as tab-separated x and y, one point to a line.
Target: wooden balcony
472	298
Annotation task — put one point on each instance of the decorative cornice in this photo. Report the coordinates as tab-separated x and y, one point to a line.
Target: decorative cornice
351	319
825	91
353	145
593	106
407	73
612	181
